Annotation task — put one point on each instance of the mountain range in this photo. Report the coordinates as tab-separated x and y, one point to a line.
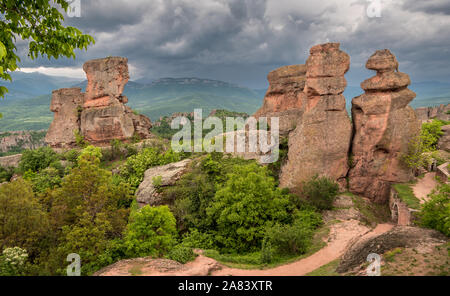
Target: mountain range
26	106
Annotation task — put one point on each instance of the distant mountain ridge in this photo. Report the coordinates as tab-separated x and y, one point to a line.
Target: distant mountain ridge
27	104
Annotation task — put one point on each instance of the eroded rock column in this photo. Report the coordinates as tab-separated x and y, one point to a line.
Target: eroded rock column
66	104
384	125
104	116
285	97
320	143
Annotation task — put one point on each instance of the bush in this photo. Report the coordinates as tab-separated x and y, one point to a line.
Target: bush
181	254
24	223
245	206
36	160
430	134
435	213
296	238
266	251
320	192
136	165
42	181
289	239
12	262
71	155
6	173
151	232
197	239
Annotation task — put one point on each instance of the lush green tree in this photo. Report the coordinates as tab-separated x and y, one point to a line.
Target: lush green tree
13	262
245	206
435	212
38	159
40	23
90	189
151	232
23	222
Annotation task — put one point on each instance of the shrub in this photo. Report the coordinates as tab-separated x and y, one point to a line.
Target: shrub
266	251
23	221
435	213
320	192
151	232
6	173
12	261
35	160
430	134
71	155
42	181
197	239
136	165
181	254
244	206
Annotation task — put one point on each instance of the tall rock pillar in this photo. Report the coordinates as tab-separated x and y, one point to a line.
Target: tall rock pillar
384	125
320	143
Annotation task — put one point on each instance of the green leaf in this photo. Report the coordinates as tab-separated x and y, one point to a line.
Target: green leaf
2	51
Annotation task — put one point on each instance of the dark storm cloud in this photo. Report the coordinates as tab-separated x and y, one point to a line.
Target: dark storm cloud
242	40
429	6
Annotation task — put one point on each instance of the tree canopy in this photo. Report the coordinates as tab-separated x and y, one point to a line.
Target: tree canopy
39	22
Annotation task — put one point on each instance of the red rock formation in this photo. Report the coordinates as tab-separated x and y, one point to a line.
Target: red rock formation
66	104
320	143
384	124
103	115
285	98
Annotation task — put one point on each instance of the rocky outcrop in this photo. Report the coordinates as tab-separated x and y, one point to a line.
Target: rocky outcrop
105	116
99	114
20	140
441	112
444	141
285	97
154	178
384	124
398	237
10	161
321	140
67	106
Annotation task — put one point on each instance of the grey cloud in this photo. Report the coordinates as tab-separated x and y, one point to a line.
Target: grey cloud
242	40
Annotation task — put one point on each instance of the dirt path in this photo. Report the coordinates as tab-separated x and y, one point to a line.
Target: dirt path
424	186
341	234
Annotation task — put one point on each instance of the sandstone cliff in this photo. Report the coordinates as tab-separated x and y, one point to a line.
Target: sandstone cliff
100	114
384	124
320	143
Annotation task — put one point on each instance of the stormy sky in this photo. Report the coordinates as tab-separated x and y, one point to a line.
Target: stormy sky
240	41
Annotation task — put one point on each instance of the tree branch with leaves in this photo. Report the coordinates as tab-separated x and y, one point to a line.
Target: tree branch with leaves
39	22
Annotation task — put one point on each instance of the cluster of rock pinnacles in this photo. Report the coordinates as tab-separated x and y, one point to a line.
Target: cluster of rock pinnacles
363	154
100	114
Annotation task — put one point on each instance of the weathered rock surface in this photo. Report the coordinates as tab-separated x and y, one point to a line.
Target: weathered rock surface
104	116
10	161
438	112
285	98
100	114
444	141
147	193
67	105
398	237
320	143
384	124
18	140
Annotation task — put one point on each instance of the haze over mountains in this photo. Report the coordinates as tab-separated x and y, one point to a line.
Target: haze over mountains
26	106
